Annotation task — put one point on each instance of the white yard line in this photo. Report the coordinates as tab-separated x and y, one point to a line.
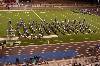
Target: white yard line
16	10
26	10
37	15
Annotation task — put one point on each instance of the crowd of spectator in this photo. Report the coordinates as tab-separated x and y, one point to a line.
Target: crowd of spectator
83	61
56	3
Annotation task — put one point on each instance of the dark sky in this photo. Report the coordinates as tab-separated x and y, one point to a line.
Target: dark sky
89	1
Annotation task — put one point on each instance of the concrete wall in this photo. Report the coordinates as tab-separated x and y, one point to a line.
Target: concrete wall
1	0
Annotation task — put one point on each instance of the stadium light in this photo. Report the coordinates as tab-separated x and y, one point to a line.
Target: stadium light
27	1
98	1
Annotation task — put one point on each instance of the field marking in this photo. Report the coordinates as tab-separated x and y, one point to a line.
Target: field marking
26	10
37	15
52	44
16	10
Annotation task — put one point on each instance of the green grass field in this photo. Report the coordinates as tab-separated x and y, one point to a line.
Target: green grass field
49	15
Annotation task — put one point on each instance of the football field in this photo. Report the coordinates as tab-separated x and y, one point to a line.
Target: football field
49	16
